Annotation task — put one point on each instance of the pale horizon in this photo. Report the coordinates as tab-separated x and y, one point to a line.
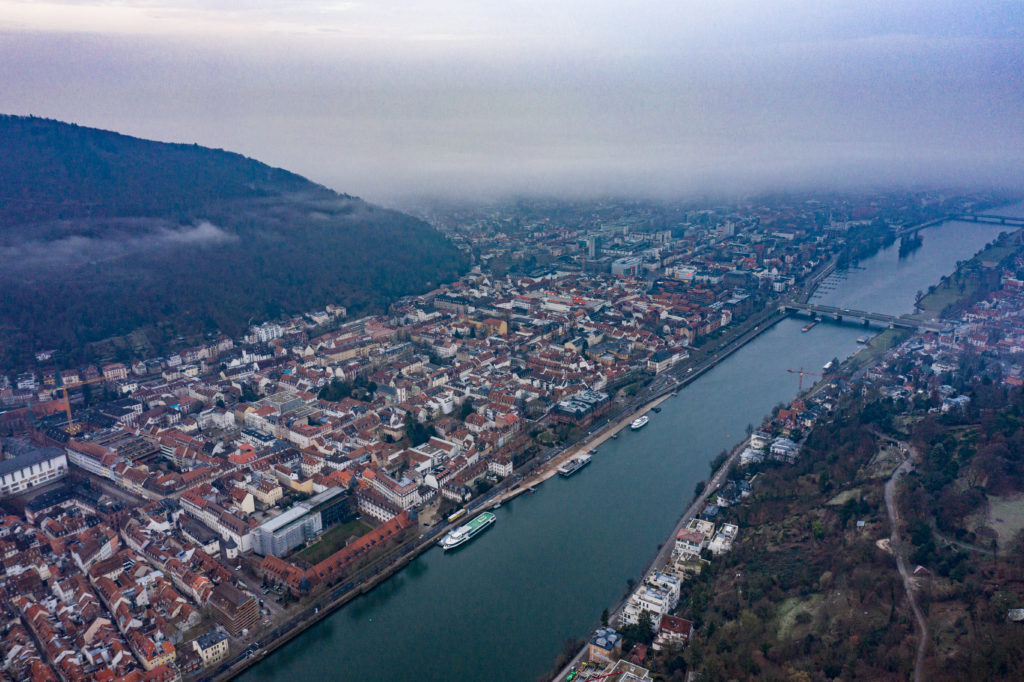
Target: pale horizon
392	100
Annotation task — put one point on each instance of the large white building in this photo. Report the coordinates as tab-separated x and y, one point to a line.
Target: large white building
404	493
658	595
627	266
722	542
92	457
28	467
306	520
264	332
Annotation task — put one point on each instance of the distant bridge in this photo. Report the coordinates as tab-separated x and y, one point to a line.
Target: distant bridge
990	219
841	314
986	219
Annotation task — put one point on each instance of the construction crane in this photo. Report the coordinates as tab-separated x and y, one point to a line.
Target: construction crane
801	372
72	427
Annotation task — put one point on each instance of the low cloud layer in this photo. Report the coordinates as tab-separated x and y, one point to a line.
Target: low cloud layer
104	242
389	99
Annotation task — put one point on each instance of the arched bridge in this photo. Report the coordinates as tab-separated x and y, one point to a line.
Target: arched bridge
841	314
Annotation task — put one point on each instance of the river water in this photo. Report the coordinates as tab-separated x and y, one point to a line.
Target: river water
501	607
886	283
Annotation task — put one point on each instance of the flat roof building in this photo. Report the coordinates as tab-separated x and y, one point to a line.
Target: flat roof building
627	266
307	519
27	466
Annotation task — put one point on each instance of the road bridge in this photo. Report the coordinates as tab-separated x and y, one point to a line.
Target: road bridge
862	316
982	218
1009	221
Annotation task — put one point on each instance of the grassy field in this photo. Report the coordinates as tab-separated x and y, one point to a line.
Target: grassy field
996	253
876	348
843	497
333	540
1006	516
786	617
944	295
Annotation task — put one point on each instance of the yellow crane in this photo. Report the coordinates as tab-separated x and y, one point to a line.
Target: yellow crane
72	427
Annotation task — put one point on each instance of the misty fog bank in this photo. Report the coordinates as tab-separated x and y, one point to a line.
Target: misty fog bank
389	100
78	243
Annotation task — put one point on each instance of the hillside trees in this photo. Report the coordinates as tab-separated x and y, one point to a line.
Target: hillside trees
106	234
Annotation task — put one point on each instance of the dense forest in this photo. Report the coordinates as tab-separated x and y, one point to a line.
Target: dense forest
103	235
805	594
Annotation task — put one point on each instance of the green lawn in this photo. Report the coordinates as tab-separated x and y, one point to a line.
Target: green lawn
333	540
996	253
935	302
1006	516
876	348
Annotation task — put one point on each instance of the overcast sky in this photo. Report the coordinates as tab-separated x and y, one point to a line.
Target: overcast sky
387	98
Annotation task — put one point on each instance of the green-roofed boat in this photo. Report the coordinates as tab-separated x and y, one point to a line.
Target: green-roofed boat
463	534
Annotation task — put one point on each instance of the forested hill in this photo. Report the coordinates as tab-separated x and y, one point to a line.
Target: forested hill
52	170
102	235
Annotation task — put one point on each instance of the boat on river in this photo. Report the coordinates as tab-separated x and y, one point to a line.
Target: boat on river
639	422
574	465
463	534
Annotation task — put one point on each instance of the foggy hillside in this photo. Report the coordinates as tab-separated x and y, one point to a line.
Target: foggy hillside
103	234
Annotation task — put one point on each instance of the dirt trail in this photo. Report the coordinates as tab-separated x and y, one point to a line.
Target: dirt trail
896	545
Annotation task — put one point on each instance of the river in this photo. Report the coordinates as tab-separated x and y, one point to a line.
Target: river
501	607
886	283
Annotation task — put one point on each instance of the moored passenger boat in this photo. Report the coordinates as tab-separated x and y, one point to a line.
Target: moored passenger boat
574	465
463	534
